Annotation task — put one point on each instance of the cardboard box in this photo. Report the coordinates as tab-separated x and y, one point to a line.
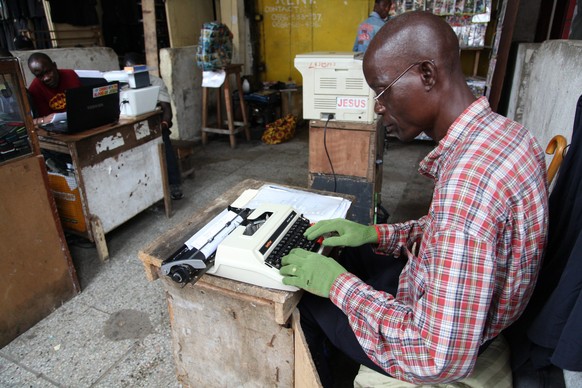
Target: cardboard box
68	200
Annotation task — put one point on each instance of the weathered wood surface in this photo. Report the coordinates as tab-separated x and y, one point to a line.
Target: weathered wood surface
228	338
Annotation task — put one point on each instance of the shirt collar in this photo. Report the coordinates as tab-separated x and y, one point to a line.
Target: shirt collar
376	14
458	131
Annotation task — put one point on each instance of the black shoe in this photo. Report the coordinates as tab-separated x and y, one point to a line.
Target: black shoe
176	192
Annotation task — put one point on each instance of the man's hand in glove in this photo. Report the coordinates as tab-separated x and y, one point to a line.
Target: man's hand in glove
350	234
311	271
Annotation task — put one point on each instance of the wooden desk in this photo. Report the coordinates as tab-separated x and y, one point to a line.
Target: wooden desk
120	171
227	333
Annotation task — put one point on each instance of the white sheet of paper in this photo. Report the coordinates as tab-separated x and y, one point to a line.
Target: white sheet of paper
60	116
315	207
213	79
116	75
212	234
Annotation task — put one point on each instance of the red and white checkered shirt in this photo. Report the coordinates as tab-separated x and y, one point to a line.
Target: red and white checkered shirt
480	248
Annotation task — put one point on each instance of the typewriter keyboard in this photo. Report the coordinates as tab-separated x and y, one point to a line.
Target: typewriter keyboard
292	239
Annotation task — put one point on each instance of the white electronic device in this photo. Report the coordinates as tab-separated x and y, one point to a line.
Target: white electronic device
135	102
333	82
252	252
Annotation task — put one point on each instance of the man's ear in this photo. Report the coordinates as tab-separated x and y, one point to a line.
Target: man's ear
428	73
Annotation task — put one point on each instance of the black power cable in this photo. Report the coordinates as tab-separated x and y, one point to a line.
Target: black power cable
329	117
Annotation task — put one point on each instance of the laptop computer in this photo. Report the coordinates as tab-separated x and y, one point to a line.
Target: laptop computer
88	107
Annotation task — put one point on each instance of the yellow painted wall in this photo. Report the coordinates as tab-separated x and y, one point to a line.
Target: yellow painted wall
292	27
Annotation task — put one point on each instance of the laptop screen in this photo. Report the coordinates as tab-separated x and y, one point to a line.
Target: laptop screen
92	106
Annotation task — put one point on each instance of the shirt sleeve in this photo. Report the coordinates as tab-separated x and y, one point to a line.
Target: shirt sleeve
392	237
163	94
435	337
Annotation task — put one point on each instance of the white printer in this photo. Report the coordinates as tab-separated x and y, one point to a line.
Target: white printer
333	82
135	102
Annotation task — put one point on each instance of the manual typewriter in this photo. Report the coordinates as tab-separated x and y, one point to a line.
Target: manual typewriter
251	250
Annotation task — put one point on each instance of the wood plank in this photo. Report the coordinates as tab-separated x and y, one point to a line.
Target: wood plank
165	181
222	131
227	338
148	10
185	19
349	125
352	152
99	238
37	270
305	372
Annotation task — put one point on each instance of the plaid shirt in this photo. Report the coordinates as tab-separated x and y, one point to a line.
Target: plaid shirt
480	248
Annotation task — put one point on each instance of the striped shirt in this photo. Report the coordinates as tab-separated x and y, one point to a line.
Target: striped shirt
480	249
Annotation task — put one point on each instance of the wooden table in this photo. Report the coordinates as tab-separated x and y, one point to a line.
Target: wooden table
120	171
227	333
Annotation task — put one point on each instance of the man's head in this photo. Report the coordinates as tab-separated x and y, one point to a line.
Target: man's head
43	68
23	42
132	59
382	7
413	66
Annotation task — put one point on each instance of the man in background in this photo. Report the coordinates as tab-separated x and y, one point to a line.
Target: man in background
47	89
369	27
164	101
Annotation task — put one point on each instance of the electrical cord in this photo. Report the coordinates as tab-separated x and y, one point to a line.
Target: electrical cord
329	117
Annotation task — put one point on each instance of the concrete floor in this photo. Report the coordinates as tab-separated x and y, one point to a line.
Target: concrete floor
116	332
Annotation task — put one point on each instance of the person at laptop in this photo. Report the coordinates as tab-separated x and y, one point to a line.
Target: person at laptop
47	89
164	101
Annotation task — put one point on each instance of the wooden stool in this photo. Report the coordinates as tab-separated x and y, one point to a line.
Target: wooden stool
232	130
184	150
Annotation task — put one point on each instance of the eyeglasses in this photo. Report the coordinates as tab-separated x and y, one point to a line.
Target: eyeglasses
377	97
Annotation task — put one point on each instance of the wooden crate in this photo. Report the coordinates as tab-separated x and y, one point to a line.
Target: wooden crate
227	333
352	148
356	151
184	150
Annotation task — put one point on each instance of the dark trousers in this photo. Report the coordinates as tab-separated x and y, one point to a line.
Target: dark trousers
174	177
332	343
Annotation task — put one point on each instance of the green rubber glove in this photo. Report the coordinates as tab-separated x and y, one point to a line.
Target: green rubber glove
350	234
311	271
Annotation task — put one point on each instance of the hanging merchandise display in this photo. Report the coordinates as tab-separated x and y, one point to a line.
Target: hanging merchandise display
215	47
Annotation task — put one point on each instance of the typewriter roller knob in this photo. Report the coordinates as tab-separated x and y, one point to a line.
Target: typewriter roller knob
181	274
